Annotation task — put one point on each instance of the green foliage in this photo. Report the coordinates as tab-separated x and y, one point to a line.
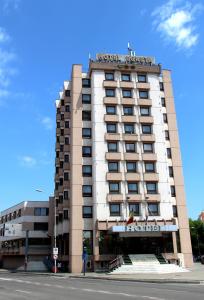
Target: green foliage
197	236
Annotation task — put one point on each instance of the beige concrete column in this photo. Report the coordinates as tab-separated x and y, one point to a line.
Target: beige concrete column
76	201
184	232
174	242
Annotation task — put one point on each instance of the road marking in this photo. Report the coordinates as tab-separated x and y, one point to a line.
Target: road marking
21	291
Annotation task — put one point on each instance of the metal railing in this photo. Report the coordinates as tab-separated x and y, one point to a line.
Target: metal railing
115	263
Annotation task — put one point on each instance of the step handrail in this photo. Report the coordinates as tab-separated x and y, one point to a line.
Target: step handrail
115	263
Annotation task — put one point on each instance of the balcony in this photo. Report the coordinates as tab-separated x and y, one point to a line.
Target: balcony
109	84
130	137
115	198
143	85
112	136
131	156
153	197
111	118
145	102
127	84
147	137
149	156
133	197
151	176
110	100
129	119
113	176
128	101
146	119
113	156
132	177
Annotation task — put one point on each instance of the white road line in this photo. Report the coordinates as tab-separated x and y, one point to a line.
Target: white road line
25	292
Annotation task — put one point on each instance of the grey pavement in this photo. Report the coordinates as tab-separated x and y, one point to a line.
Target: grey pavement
24	286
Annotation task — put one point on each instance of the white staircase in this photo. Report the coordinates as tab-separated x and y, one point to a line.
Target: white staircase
146	263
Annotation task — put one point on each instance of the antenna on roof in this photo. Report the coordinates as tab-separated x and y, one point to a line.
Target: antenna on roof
130	50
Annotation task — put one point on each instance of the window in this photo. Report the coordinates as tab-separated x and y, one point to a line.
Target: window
86	115
149	167
167	135
161	86
111	128
66	195
58	124
66	141
58	110
66	176
87	191
86	151
87	170
67	93
60	199
87	211
143	94
131	167
165	118
41	226
67	108
61	181
114	210
129	128
65	214
86	133
130	147
110	92
57	154
128	110
61	148
168	151
66	158
132	187
111	110
62	117
109	76
127	93
61	163
41	211
148	148
112	147
142	78
86	98
163	102
173	191
62	132
135	208
57	170
171	172
113	166
62	102
114	187
125	77
146	129
86	82
145	111
175	213
153	209
151	187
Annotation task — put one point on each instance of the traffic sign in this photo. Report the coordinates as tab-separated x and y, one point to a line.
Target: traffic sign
55	251
55	256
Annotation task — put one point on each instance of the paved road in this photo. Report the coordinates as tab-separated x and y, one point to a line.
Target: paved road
40	287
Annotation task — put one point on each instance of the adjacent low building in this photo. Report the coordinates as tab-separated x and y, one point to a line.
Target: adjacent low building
31	218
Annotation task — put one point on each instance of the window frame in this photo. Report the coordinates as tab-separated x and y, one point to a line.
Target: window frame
124	76
86	101
114	191
133	191
108	129
109	73
131	170
113	170
85	193
129	91
115	213
107	90
126	125
87	215
108	144
86	135
114	109
137	211
152	191
146	93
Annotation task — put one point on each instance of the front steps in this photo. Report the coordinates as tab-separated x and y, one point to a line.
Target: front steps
147	263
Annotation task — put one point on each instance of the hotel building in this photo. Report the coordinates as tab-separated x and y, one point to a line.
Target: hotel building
118	154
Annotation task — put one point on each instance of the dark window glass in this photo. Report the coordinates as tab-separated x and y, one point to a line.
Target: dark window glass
58	124
110	92
111	128
87	212
125	77
171	172
87	191
163	102
153	209
86	82
61	163
151	187
67	93
62	102
143	94
135	208
149	167
57	154
111	110
87	170
173	191
128	110
114	187
127	93
109	76
165	118
65	214
40	226
66	158
167	135
66	141
142	78
114	209
131	166
168	151
66	176
86	132
61	148
86	151
86	98
129	128
41	211
62	117
146	129
161	85
130	147
58	110
86	115
175	213
67	108
145	111
66	195
132	188
113	166
61	181
62	132
112	147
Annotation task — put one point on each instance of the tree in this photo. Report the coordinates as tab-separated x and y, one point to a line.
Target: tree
197	237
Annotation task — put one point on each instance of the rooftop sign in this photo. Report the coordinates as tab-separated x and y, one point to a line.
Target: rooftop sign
128	59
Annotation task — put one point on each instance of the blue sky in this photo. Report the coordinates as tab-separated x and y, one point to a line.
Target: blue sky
40	40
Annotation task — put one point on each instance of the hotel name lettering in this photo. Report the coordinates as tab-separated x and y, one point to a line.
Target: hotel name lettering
142	228
115	58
